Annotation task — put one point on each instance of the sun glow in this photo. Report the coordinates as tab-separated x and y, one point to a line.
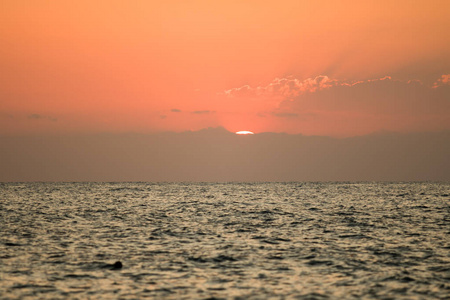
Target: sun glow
244	132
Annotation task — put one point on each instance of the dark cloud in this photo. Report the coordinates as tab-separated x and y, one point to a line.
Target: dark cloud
175	110
162	117
383	96
202	112
35	117
41	117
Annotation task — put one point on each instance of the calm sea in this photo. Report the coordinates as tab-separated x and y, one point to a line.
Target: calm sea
225	240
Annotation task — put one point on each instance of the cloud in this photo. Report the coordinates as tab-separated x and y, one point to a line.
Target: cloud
175	110
444	80
41	117
381	95
284	87
35	116
291	87
377	96
354	107
202	112
242	91
162	117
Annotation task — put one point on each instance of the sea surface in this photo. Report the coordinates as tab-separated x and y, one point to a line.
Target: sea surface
225	240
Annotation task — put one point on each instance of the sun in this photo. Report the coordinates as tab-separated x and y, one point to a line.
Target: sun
244	132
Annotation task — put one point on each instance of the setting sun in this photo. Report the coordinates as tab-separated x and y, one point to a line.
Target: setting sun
244	132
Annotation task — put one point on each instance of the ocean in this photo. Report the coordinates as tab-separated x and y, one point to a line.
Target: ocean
225	240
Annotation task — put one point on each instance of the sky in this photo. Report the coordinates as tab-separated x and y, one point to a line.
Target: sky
328	68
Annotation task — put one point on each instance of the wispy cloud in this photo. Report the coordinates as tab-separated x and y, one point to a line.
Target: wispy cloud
284	87
35	116
175	110
202	112
41	117
292	87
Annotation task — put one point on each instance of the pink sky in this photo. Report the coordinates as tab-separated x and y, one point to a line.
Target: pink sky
338	68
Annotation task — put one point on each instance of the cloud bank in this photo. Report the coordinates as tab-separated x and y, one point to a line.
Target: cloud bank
215	154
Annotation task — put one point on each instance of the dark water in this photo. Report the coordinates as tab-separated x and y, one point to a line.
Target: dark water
232	241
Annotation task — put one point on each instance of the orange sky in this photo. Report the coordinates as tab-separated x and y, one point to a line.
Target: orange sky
311	67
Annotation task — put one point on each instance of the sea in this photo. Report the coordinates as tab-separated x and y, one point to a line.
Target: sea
346	240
